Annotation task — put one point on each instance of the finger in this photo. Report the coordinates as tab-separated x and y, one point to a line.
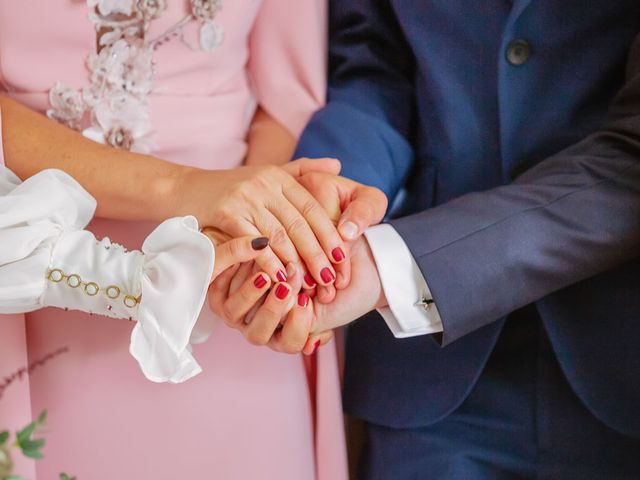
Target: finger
279	237
245	270
268	317
295	331
326	294
366	207
219	291
238	250
343	275
305	165
252	312
243	299
311	219
315	341
267	260
308	281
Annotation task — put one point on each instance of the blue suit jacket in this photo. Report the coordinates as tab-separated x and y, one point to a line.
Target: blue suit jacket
518	189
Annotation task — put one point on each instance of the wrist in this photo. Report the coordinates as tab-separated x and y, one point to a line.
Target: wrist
182	192
381	300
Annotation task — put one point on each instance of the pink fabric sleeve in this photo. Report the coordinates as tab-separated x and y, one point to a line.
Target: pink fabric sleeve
288	56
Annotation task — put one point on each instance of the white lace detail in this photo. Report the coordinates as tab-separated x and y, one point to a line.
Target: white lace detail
114	107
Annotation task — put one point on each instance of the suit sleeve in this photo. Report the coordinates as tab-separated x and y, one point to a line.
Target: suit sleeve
573	216
368	119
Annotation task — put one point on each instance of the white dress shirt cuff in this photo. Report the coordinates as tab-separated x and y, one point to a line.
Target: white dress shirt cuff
403	285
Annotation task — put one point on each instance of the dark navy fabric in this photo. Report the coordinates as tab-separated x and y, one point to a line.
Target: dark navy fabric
517	188
521	420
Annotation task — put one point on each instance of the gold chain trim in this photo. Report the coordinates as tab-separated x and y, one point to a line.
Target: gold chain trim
113	292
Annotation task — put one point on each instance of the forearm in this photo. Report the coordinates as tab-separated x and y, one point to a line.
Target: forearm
572	217
269	142
126	185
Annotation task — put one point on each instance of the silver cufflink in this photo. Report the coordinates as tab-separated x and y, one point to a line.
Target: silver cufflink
424	303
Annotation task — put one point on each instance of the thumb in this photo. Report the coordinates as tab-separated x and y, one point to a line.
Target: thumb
366	207
237	250
299	167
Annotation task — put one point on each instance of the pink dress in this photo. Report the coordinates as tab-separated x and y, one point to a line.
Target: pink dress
252	413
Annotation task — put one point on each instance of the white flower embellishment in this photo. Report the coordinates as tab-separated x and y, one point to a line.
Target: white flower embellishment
114	107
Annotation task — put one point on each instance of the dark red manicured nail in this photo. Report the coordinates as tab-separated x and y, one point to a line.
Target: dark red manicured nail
282	292
315	346
303	300
337	254
308	279
327	275
260	281
259	243
281	276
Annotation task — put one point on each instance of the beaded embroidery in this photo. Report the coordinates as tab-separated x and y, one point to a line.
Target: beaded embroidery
115	104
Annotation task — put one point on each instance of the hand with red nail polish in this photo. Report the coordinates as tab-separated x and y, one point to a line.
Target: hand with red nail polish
363	294
303	320
353	206
267	201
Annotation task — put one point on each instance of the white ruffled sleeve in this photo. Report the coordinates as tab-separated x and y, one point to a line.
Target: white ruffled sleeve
47	259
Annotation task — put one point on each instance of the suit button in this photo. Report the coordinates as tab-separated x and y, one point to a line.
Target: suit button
518	52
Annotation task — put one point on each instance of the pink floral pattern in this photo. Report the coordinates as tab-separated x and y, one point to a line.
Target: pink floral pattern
114	107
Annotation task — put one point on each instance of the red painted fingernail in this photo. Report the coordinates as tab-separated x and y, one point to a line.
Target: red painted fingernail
260	281
282	292
327	275
308	279
315	346
337	254
281	276
303	300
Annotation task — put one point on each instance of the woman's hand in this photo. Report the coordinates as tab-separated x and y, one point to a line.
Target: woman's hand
235	251
292	323
268	201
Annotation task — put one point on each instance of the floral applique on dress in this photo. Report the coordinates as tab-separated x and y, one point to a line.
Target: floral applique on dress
114	108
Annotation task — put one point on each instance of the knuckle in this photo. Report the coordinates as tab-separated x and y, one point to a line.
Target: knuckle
310	208
234	249
245	296
279	236
267	175
297	225
230	317
291	346
257	337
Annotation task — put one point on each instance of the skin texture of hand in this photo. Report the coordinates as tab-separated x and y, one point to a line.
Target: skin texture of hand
353	206
268	201
234	251
288	323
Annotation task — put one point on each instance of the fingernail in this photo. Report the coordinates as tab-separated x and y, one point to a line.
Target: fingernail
308	279
327	275
337	254
281	276
260	281
259	243
315	346
282	292
349	230
303	300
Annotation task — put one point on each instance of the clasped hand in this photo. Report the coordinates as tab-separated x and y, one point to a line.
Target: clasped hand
317	273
